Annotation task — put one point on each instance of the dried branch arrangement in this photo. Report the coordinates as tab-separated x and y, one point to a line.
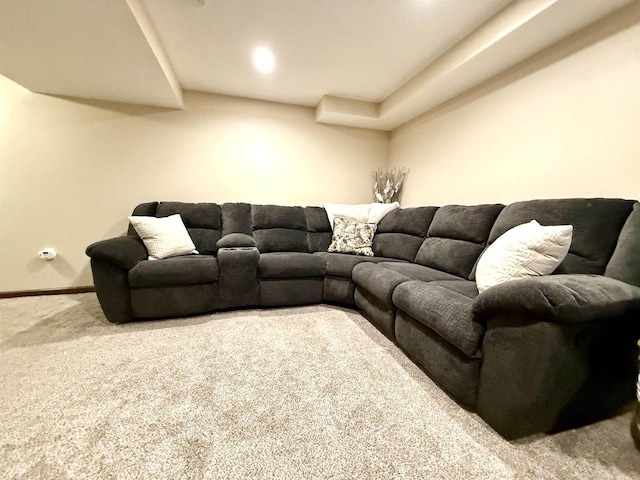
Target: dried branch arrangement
387	184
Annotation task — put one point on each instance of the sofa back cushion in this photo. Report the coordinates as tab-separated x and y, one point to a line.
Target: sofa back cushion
201	219
143	210
236	218
401	232
596	222
624	264
319	229
456	237
279	229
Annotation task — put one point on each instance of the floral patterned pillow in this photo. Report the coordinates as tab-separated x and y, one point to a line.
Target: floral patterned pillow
352	237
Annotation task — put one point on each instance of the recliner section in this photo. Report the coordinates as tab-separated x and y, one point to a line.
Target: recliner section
174	287
455	236
290	278
289	274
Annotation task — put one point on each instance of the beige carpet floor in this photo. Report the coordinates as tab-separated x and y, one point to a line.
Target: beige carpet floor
312	392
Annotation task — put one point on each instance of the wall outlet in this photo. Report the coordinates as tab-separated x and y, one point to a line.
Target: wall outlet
47	254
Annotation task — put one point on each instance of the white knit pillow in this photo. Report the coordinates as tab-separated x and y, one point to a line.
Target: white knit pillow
164	237
524	251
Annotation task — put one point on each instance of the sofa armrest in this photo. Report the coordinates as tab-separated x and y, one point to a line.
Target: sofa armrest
557	351
563	299
125	252
235	240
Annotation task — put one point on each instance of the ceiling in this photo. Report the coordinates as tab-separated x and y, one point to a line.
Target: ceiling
366	63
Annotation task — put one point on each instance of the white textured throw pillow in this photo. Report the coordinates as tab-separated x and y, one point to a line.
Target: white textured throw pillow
524	251
164	237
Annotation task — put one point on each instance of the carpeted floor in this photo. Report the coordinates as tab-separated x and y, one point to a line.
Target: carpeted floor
313	392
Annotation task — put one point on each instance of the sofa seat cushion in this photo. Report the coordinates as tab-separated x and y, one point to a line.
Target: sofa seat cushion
378	281
419	272
290	265
446	308
174	271
341	264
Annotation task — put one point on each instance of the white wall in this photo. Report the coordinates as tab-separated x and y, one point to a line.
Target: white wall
71	171
564	124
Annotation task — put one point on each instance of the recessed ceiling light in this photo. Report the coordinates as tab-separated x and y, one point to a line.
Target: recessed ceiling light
264	60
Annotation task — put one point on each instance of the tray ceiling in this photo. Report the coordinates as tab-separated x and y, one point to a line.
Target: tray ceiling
367	63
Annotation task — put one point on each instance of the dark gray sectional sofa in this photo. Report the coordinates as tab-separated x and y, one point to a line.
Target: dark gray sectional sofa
529	355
